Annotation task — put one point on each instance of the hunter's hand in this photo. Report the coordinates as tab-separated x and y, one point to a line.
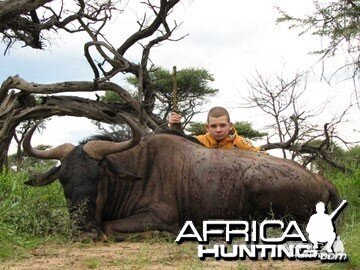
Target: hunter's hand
174	118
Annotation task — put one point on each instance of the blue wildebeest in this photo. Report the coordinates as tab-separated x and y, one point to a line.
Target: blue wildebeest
157	182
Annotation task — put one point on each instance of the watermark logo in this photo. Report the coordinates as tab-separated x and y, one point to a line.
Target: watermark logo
320	241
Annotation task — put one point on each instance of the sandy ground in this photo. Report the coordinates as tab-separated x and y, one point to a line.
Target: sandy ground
137	255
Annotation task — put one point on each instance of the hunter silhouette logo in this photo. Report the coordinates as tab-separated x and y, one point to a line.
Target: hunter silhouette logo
321	228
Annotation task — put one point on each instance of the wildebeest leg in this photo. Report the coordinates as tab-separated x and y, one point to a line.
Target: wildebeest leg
137	223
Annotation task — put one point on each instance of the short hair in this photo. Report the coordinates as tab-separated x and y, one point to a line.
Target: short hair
218	112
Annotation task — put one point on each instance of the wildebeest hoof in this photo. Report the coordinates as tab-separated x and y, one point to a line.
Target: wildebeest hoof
101	238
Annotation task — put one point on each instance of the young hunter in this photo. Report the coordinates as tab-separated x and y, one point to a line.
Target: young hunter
220	131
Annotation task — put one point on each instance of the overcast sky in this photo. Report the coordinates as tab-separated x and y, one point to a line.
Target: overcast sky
232	39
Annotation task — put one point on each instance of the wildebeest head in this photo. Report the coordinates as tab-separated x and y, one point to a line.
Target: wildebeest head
81	170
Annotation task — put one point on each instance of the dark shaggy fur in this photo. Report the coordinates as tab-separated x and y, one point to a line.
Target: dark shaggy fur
117	137
112	137
178	133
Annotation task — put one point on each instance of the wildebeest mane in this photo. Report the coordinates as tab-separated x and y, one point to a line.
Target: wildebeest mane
120	137
178	133
112	137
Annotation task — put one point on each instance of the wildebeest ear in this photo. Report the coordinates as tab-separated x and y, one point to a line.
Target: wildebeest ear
125	175
128	177
122	173
40	180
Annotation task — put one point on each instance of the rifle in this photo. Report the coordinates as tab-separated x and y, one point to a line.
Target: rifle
176	126
342	205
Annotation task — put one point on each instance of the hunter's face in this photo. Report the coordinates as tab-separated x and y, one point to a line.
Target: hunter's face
219	127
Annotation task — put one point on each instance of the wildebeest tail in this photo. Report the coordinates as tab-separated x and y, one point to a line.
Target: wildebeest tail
335	201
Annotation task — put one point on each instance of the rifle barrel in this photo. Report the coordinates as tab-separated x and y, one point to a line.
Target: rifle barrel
340	207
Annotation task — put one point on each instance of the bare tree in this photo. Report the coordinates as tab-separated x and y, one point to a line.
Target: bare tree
17	96
275	100
30	21
294	126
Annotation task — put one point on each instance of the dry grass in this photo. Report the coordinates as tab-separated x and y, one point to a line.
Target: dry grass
137	255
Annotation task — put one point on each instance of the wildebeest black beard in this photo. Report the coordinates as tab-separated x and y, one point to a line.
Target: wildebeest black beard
80	176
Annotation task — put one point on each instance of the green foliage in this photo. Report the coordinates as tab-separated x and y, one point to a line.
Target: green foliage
29	215
193	89
112	97
337	21
196	128
191	83
243	128
348	185
349	158
93	263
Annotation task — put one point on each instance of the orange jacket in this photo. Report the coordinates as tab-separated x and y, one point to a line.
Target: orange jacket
233	140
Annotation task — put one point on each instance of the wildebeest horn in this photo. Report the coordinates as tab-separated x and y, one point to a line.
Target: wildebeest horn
58	152
99	149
